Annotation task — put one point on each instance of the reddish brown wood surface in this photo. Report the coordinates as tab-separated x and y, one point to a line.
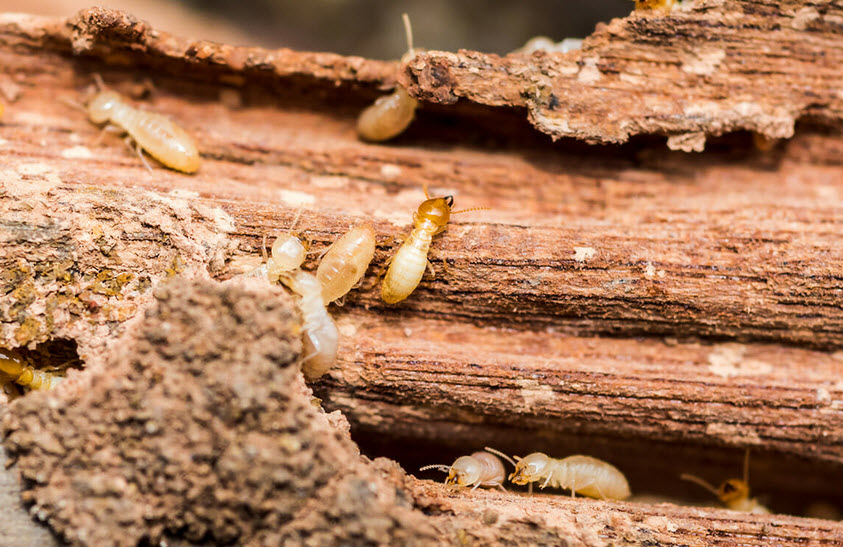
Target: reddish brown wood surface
625	301
705	68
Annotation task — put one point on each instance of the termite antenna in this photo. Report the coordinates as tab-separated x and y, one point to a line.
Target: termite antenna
424	189
439	466
296	218
701	482
408	29
73	104
472	209
263	247
100	83
499	453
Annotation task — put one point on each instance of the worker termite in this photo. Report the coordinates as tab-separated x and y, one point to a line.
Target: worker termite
733	493
543	43
13	365
288	253
321	336
345	262
407	266
479	469
390	115
156	134
582	475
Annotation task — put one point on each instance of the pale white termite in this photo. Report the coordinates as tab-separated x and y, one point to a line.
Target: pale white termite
544	43
478	469
345	262
582	475
13	365
288	253
733	493
407	266
159	136
321	336
390	115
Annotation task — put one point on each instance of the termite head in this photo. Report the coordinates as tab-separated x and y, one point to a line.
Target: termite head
530	468
733	490
436	210
288	252
465	471
101	106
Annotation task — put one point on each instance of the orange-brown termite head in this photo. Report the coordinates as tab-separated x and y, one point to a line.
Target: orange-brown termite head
732	490
733	493
655	4
435	210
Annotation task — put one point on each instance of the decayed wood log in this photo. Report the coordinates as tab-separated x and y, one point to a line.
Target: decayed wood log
582	244
630	401
706	68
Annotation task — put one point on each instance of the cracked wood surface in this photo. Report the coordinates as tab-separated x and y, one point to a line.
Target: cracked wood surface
705	68
582	242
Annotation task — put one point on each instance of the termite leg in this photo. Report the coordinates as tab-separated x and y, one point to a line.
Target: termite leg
431	270
136	147
110	128
547	480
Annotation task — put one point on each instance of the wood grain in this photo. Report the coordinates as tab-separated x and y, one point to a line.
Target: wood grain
633	302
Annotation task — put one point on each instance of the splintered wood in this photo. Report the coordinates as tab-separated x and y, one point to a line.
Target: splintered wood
660	310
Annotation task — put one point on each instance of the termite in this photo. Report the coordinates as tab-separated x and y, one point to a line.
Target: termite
390	115
655	4
321	336
407	266
582	475
13	365
156	134
345	262
479	469
544	43
288	253
733	493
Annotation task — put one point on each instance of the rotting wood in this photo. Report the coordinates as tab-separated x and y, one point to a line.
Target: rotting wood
705	68
732	244
487	517
587	240
455	385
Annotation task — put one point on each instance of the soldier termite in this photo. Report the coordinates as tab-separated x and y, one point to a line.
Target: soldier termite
582	475
345	262
13	365
479	469
321	336
407	266
655	4
733	493
156	134
390	115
